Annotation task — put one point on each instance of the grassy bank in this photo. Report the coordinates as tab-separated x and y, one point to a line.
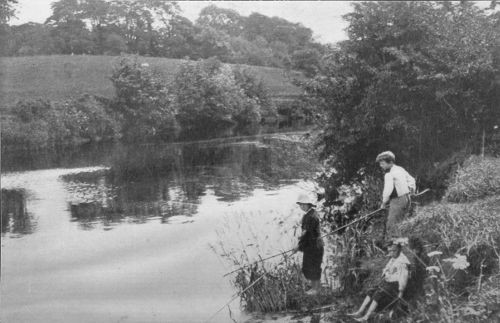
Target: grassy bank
61	77
456	244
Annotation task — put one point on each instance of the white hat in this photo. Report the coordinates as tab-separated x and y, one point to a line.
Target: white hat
385	154
304	199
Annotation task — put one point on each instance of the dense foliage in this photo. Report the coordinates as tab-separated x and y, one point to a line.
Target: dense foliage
417	78
157	28
204	96
38	123
143	99
208	92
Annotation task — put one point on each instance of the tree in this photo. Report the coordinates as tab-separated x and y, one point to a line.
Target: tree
139	21
178	40
7	10
30	39
72	37
414	77
221	19
213	43
69	32
307	60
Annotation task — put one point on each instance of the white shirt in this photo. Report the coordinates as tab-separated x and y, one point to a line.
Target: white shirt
396	270
397	178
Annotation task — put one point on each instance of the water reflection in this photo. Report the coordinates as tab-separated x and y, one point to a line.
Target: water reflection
153	181
15	217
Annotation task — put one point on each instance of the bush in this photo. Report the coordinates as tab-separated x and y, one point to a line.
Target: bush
208	92
256	92
93	118
143	99
32	134
477	178
39	123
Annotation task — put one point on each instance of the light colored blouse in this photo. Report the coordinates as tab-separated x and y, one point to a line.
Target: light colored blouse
399	179
396	270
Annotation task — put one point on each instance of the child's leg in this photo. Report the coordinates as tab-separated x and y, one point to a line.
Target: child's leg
362	308
371	309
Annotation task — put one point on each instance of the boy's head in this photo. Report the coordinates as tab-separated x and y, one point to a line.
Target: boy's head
394	249
386	160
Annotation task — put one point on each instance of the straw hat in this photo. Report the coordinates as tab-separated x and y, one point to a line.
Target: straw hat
386	154
305	199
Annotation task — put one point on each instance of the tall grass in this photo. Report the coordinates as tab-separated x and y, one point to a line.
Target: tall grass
477	178
462	281
280	284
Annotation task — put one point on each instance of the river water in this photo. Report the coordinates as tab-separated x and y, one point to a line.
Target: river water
124	233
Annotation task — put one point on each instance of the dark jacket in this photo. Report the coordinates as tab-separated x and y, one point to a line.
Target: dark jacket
311	234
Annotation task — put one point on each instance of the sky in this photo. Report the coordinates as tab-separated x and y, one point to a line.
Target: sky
324	18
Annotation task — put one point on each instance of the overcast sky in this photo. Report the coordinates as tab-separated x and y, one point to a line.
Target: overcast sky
323	17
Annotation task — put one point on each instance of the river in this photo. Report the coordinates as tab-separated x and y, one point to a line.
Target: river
124	233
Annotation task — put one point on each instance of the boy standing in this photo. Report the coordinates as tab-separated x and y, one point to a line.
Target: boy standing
398	185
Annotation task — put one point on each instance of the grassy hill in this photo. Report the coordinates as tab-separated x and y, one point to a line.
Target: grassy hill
60	77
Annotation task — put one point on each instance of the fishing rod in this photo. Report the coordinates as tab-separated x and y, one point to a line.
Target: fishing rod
325	235
240	293
236	296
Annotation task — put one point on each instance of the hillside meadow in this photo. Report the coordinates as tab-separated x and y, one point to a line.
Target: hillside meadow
60	77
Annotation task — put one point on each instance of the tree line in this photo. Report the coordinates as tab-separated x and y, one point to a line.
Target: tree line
419	78
157	28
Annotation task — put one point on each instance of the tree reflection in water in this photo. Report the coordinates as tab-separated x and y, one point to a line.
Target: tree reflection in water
164	181
15	217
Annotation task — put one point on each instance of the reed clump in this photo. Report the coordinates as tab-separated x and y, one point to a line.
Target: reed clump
272	286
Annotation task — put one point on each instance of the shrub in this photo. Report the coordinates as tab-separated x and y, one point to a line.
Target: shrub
256	92
208	92
143	99
93	119
39	123
32	134
477	178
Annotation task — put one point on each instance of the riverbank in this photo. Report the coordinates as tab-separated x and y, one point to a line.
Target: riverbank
461	239
136	98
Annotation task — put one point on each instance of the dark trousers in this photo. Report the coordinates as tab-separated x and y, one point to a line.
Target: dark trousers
384	294
311	262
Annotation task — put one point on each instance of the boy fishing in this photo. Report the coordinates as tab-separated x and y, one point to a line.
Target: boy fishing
310	244
398	185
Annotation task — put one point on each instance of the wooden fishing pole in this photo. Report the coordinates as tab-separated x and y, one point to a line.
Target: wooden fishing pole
325	235
236	296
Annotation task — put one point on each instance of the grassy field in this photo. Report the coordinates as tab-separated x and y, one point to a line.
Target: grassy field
61	77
